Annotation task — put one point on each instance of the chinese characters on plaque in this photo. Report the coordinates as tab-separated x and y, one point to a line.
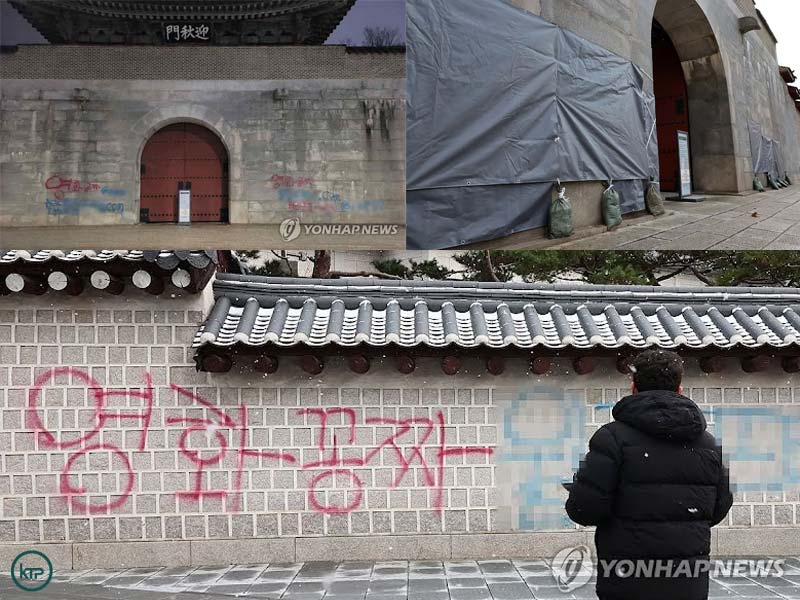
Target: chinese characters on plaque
187	33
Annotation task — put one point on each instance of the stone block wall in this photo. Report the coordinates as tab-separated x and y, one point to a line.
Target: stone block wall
140	480
314	134
126	443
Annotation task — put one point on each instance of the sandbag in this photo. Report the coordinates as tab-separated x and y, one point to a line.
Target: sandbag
773	183
654	201
612	209
786	178
561	216
757	185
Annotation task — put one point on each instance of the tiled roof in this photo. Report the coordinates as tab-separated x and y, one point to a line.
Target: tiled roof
139	21
72	271
280	312
166	259
186	10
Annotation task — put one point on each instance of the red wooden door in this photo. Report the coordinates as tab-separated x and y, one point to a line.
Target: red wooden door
672	106
184	153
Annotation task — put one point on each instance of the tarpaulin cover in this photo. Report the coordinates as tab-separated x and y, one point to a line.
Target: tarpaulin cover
499	98
765	151
631	195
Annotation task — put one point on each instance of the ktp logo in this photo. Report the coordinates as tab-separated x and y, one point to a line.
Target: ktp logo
31	571
290	229
572	568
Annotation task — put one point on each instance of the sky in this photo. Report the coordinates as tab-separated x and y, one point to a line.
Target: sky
365	13
14	29
784	18
373	13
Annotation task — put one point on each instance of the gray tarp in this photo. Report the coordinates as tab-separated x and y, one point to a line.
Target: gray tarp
501	103
631	195
765	151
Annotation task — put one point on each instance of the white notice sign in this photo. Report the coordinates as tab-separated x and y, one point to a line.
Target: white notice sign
685	161
184	206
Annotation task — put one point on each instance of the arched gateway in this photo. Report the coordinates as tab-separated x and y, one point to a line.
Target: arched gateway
184	156
691	88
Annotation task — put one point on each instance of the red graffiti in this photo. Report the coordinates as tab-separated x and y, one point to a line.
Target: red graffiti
74	493
65	185
333	509
217	426
102	415
406	431
287	181
415	443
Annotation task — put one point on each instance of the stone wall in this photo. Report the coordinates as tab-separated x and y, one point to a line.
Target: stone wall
108	456
211	63
313	133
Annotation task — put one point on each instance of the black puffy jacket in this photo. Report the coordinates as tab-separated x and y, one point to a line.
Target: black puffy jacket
654	483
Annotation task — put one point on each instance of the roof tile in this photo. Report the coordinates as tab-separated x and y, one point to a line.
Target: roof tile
260	311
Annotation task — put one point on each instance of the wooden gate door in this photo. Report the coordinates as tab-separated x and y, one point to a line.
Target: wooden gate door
181	154
672	106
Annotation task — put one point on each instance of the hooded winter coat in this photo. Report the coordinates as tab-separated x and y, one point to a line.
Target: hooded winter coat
654	483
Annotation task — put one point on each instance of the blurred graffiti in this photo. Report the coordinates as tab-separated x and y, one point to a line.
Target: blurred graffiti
543	441
761	445
299	195
60	186
73	206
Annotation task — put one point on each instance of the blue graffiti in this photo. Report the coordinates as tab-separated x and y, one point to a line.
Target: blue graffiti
107	191
310	200
73	206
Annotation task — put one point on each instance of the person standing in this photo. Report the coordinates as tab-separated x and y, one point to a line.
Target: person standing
654	483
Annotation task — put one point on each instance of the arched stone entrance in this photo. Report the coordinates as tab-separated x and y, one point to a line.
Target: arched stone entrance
672	106
184	156
685	26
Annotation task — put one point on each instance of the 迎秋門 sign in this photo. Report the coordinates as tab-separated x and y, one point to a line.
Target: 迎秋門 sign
187	33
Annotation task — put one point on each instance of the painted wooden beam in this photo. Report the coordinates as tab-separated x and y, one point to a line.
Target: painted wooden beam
313	365
108	283
451	365
359	363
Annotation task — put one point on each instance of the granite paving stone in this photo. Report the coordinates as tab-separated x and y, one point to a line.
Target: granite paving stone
394	580
750	222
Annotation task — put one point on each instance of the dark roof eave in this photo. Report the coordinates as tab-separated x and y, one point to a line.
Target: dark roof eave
38	265
213	359
510	351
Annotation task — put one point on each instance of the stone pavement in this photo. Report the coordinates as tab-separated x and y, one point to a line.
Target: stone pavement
398	580
768	221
